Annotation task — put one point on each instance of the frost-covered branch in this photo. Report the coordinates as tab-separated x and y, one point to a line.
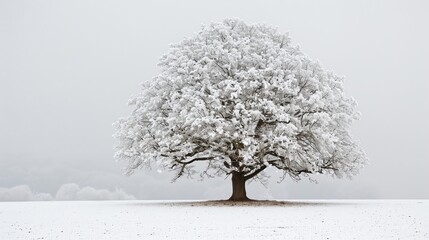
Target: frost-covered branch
238	98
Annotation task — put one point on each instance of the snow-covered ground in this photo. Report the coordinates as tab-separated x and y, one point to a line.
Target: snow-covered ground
317	219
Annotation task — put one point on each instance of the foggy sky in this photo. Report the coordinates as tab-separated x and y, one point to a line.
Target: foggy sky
67	69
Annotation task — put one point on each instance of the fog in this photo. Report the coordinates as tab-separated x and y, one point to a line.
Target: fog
67	69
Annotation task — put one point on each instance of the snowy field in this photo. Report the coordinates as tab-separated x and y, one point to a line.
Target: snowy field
318	219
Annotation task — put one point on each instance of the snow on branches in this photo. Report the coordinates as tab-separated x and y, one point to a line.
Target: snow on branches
240	98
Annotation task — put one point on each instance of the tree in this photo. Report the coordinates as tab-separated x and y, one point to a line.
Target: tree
239	98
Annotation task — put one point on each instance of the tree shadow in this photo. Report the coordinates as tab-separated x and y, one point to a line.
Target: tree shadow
250	203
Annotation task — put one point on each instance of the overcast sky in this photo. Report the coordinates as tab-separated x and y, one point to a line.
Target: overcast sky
67	69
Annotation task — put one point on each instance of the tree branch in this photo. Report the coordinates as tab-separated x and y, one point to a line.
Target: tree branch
193	160
249	176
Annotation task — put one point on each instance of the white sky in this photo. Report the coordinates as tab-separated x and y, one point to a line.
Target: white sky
67	69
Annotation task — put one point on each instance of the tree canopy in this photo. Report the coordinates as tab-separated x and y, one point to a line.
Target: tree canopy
240	98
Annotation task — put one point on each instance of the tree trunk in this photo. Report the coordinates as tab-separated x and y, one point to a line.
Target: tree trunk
238	187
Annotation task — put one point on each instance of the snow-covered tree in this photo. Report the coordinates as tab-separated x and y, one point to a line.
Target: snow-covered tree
240	98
